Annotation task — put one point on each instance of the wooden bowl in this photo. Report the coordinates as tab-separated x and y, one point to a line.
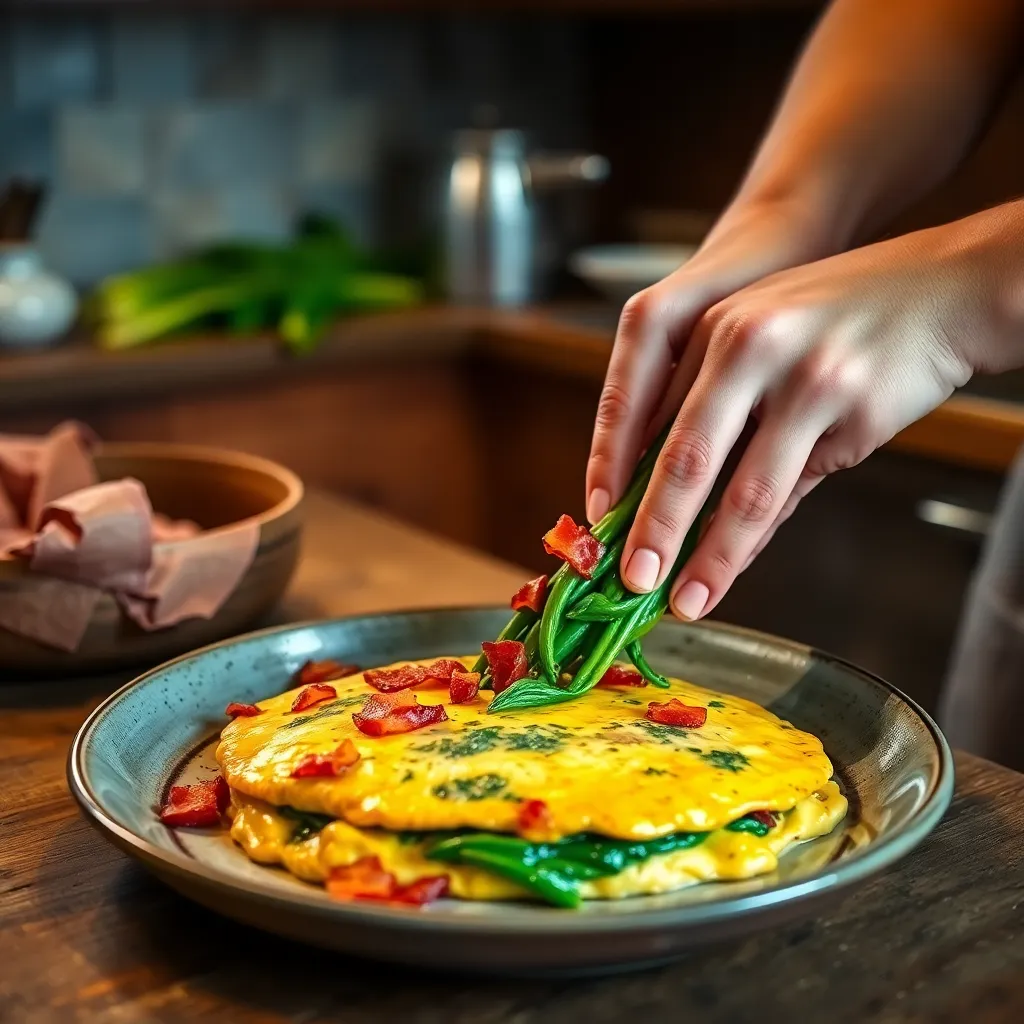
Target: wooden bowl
215	489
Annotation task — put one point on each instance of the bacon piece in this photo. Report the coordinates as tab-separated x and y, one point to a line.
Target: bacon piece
766	818
575	545
385	714
464	687
531	595
423	890
366	879
617	675
197	804
316	693
391	680
675	712
321	671
535	821
507	661
312	766
236	710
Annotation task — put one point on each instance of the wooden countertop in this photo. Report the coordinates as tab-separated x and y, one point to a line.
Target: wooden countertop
87	936
967	430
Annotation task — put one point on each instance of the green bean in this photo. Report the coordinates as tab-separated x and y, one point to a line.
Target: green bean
751	825
599	608
546	883
636	655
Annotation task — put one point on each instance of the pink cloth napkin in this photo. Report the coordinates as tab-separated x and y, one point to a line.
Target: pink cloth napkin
81	538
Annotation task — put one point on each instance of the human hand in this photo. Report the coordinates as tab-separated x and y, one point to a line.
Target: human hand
831	359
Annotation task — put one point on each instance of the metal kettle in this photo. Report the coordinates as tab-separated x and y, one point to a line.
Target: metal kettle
490	229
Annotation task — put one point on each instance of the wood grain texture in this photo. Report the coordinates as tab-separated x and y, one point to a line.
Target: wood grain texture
87	936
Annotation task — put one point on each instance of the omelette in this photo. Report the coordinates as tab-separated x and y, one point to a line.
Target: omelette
589	799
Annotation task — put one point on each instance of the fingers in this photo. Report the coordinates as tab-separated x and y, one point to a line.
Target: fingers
752	501
654	324
704	433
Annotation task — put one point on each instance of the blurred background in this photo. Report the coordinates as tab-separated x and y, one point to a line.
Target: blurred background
389	250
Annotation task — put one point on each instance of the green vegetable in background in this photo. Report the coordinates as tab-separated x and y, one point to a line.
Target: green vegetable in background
297	290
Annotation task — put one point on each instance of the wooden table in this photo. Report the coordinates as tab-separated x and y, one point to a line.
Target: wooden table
87	935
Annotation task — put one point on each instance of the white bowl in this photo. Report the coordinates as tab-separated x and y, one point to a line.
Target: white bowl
619	271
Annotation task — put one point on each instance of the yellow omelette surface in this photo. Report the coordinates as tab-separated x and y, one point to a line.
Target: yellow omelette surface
598	764
267	837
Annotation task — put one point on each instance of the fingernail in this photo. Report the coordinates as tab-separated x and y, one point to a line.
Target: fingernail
598	505
689	600
642	569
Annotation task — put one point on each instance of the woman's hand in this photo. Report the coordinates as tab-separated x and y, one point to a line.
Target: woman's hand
832	359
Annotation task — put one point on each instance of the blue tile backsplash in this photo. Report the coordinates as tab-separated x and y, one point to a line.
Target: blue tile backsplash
157	133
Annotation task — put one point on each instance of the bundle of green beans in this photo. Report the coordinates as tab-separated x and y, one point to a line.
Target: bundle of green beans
586	624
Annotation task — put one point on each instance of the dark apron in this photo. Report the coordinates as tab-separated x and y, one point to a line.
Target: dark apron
982	705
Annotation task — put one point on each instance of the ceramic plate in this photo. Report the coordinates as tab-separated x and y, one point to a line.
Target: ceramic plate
890	757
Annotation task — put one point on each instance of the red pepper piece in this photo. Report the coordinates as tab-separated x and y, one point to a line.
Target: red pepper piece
385	714
423	890
535	821
312	766
531	595
321	671
507	661
197	804
464	687
617	675
316	693
675	712
575	545
766	818
236	710
366	879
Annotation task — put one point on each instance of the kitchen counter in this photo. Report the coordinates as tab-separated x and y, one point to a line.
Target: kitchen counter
970	429
87	936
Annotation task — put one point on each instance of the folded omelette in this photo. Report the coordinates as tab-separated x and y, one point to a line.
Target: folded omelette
590	799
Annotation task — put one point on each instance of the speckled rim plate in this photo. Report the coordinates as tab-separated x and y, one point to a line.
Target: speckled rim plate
890	757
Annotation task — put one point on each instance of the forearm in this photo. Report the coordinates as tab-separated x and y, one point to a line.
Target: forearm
885	101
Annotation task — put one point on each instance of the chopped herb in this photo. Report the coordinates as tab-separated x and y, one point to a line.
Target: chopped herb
477	787
727	760
476	741
328	710
664	734
716	703
629	700
534	738
409	775
656	771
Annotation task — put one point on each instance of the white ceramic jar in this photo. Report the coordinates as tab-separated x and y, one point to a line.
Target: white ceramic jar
36	307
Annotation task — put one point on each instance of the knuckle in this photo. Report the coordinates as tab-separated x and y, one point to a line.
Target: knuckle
613	406
686	460
747	336
720	565
753	500
825	376
637	310
660	522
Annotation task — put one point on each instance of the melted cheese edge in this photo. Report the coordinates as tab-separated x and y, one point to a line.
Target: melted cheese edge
265	836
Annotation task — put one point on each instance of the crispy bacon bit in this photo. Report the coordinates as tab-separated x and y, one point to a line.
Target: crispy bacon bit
384	714
575	545
312	766
766	818
507	661
675	712
236	710
391	680
535	821
423	890
321	671
464	687
197	804
531	595
619	676
366	879
316	693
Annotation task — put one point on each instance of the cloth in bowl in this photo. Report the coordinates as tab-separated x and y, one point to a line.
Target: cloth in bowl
81	538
